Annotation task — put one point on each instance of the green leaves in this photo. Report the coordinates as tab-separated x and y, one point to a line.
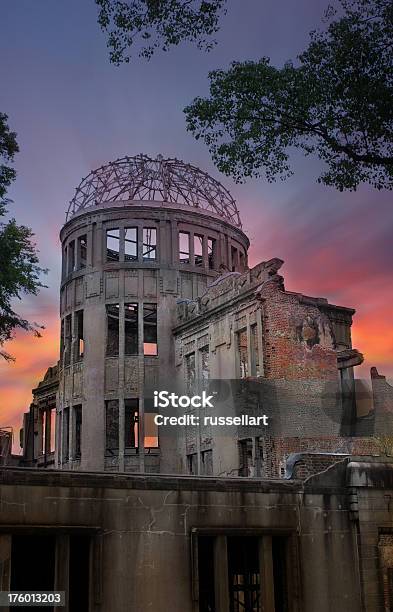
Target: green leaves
19	269
160	23
8	148
336	102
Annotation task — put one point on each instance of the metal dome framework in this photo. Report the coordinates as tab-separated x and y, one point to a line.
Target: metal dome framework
164	180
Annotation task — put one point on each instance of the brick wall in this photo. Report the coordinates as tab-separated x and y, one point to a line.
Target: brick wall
279	450
298	338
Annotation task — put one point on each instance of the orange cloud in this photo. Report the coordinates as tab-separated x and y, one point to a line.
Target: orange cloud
17	379
343	254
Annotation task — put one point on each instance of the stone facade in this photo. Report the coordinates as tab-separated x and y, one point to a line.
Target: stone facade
39	424
256	331
159	542
155	291
5	446
109	298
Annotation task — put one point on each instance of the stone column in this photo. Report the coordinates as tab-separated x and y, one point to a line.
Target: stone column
266	573
62	569
221	586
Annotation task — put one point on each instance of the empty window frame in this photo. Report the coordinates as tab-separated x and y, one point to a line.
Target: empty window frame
234	259
66	434
131	423
33	566
150	329
198	250
112	426
112	337
242	260
184	247
113	244
62	343
207	462
244	579
192	464
79	341
82	252
204	362
254	353
190	373
67	339
33	563
245	573
206	574
211	253
131	244
44	425
71	257
281	554
64	269
151	431
48	426
52	435
242	352
149	245
78	432
131	329
246	460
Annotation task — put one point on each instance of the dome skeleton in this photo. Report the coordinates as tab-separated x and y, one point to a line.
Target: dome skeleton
142	178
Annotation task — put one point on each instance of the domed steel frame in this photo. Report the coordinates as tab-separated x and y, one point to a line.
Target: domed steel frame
163	180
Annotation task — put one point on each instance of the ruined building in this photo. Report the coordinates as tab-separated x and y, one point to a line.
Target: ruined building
156	288
122	514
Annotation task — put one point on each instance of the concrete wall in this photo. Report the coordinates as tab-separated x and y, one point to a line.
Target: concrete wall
372	509
340	522
143	528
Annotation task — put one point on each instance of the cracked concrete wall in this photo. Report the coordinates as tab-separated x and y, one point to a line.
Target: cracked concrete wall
145	523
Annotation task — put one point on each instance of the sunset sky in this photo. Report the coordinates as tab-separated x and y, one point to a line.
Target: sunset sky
73	111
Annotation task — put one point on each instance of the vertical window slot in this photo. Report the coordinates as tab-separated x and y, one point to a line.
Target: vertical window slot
149	247
112	339
184	247
131	329
113	245
82	251
112	426
131	430
211	253
78	432
242	349
198	250
150	329
71	257
131	244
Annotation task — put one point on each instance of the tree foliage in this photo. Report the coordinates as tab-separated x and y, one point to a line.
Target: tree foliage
154	24
335	102
19	269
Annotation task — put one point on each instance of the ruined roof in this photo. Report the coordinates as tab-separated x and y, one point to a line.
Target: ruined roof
131	179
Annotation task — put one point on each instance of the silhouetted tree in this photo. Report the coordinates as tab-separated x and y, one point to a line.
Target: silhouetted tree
157	24
19	269
335	102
